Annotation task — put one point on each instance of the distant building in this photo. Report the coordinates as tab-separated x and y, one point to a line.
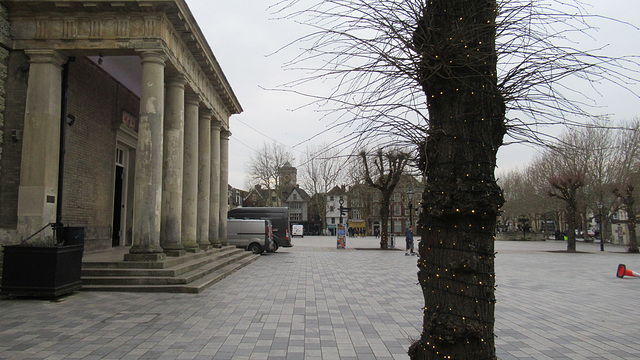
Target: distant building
259	196
287	179
288	194
297	200
365	203
620	228
236	197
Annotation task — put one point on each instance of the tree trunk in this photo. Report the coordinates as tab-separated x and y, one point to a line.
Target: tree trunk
633	240
384	221
571	222
631	223
456	39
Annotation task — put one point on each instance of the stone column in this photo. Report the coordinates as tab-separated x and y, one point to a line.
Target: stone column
173	150
38	189
204	178
148	177
190	174
224	185
214	216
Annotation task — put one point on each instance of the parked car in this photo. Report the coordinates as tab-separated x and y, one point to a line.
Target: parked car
255	235
279	217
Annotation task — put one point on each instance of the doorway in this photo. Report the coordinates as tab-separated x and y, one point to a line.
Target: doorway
119	196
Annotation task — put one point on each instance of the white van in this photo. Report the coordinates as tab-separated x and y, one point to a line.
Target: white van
250	234
297	230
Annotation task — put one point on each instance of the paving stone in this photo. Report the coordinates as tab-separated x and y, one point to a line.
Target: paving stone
316	302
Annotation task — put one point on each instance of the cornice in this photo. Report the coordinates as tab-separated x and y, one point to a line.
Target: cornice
117	28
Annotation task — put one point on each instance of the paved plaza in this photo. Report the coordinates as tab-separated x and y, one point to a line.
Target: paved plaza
313	301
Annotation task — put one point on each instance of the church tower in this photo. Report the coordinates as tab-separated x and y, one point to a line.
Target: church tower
288	176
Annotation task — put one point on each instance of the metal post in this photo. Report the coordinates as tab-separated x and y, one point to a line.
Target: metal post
410	197
391	240
600	206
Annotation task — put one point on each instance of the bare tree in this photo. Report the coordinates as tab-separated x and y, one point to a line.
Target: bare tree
582	152
605	151
382	171
427	72
629	172
264	168
322	169
565	187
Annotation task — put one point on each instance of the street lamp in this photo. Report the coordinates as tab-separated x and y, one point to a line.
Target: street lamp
410	197
600	206
392	242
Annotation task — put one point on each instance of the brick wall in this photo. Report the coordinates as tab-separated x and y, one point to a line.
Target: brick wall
5	43
97	101
7	193
16	90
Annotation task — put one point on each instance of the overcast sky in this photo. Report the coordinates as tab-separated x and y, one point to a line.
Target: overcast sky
242	34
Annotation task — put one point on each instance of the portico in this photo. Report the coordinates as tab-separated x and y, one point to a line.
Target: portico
178	136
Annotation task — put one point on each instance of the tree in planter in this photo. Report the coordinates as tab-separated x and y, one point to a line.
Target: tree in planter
383	172
565	187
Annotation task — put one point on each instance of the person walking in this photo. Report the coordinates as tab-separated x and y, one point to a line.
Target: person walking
408	236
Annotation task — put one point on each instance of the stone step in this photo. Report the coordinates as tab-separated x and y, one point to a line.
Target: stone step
188	263
170	261
194	287
134	277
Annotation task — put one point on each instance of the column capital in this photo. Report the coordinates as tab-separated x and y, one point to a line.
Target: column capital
225	134
192	99
153	56
176	80
205	114
216	124
46	56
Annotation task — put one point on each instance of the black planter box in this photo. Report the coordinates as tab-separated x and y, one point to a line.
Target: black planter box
41	271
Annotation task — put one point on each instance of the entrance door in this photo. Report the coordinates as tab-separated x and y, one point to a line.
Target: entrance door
119	196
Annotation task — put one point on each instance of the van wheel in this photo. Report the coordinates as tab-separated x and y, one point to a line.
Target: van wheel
255	248
275	246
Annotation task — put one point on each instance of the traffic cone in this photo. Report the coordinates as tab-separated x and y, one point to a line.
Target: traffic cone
622	271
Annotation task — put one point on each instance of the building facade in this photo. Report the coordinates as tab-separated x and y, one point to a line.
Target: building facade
297	200
404	207
115	119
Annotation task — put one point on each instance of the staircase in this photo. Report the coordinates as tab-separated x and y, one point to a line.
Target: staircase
190	273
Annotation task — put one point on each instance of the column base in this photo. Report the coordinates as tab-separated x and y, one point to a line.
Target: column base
195	249
175	253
